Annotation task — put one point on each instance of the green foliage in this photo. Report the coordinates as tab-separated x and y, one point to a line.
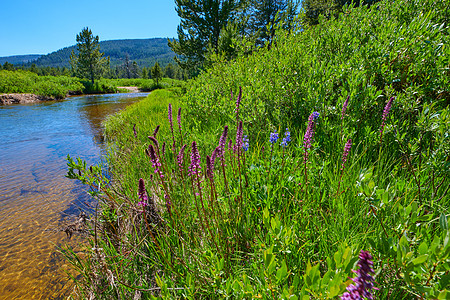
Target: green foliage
286	221
88	62
28	82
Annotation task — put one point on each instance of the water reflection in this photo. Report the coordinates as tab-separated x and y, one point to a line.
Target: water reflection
35	196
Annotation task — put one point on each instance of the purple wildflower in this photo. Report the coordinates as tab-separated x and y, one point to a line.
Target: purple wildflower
230	145
286	139
347	148
245	143
344	107
180	158
170	116
134	131
155	161
222	142
154	140
214	155
156	131
194	167
239	133
142	193
273	137
309	134
209	168
363	283
387	108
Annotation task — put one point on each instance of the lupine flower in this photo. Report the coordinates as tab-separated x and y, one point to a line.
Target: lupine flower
230	145
273	137
134	131
344	107
194	167
155	161
347	148
142	193
387	108
180	158
363	283
245	143
286	139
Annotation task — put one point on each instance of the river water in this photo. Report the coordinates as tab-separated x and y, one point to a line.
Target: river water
36	200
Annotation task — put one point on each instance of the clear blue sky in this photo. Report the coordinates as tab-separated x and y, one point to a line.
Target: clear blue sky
44	26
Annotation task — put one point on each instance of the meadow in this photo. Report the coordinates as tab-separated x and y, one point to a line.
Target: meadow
282	174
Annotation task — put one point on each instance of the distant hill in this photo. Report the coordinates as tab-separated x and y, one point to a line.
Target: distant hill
19	59
144	51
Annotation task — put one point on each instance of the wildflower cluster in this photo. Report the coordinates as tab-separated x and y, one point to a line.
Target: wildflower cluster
273	137
286	139
363	283
245	143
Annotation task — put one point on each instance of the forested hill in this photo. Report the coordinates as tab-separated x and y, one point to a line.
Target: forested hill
144	51
19	59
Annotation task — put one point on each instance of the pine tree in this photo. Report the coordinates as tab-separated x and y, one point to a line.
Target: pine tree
156	73
267	14
88	61
201	23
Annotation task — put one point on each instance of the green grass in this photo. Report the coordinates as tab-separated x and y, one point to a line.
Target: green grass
28	82
268	223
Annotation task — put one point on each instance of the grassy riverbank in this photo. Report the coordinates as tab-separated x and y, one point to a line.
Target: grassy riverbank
58	87
338	143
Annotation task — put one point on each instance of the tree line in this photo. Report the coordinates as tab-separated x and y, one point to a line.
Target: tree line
225	29
130	70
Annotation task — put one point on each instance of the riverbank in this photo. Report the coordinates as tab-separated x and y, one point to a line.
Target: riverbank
7	99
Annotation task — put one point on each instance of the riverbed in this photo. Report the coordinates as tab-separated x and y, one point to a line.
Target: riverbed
36	199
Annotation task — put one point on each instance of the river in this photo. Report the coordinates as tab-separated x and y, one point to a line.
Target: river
36	199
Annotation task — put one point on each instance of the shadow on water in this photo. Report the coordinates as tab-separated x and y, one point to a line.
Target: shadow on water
36	197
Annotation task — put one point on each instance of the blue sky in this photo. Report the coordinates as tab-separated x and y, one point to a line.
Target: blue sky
44	26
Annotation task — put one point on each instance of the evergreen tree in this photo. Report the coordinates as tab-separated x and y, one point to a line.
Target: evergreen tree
156	73
88	62
267	14
144	73
201	23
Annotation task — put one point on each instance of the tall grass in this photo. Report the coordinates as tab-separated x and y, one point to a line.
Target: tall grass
28	82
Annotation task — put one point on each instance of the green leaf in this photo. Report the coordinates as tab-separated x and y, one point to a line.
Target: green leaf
420	259
443	222
423	248
282	272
